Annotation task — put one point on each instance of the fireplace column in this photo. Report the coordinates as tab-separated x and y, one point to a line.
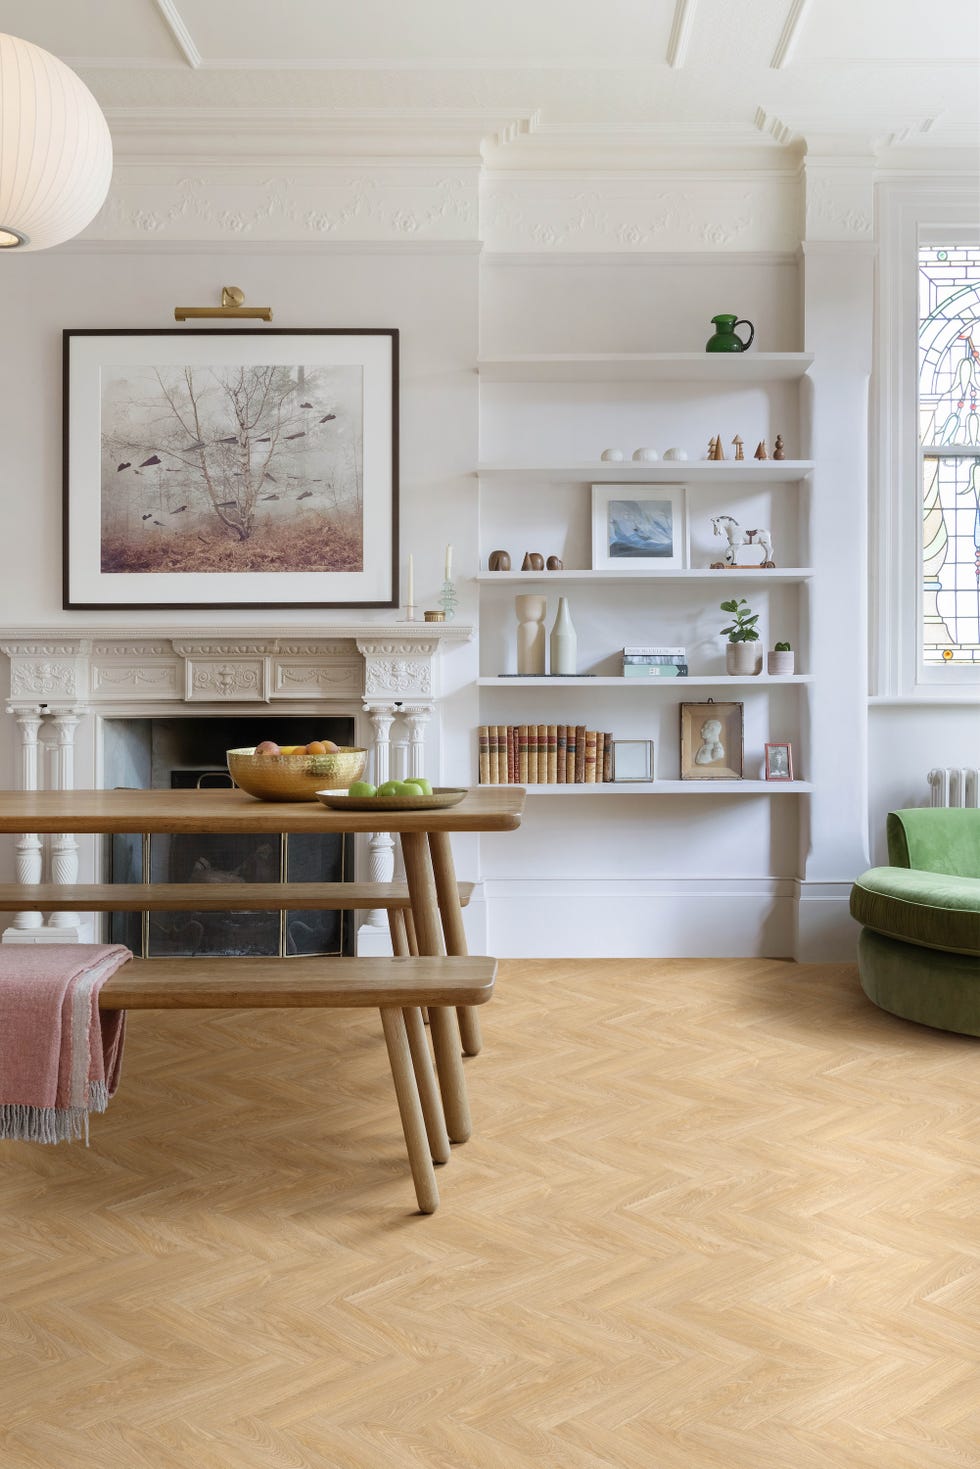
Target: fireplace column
64	846
398	684
28	852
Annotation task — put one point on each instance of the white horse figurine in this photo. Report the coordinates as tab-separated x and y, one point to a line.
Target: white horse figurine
725	525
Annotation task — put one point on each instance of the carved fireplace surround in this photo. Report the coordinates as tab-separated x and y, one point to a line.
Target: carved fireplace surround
387	676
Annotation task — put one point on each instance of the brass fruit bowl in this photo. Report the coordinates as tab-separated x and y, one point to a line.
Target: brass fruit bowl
294	777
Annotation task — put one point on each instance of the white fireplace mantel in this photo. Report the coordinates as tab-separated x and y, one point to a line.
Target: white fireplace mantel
371	662
390	671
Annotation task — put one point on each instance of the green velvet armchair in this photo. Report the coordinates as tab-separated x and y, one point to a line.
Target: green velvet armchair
919	949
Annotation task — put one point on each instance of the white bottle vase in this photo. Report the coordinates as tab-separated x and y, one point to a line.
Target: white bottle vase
564	643
531	612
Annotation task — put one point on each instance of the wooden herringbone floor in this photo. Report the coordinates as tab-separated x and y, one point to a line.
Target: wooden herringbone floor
714	1215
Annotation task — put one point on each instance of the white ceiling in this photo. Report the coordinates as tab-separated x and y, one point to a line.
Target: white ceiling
661	73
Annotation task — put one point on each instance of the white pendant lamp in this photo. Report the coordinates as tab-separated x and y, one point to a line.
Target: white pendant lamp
55	149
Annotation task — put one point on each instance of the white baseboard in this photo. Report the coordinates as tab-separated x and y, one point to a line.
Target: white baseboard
656	917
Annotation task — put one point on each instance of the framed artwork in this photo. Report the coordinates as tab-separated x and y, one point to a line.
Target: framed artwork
779	762
632	760
228	468
711	741
639	528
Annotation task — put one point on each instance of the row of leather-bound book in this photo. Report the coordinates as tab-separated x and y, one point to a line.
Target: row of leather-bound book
544	754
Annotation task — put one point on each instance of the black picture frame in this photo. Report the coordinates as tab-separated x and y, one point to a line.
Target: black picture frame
128	382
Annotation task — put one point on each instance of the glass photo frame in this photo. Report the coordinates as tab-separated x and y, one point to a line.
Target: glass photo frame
632	760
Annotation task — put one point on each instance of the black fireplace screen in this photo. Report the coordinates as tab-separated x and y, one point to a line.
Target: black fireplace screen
232	858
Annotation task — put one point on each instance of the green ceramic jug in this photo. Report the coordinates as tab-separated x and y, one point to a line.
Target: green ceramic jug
724	339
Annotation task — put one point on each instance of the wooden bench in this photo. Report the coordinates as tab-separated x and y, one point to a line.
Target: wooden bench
396	987
243	897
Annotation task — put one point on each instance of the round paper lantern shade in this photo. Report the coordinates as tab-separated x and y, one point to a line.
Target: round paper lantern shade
55	149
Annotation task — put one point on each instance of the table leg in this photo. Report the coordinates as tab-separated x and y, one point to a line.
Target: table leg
413	1126
447	889
442	1020
435	1123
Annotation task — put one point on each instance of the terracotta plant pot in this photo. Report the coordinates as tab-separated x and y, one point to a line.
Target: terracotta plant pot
743	659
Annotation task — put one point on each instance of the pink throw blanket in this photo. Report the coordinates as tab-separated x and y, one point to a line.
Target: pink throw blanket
59	1056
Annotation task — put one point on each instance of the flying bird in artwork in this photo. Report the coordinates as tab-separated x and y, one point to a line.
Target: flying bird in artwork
266	440
300	435
159	523
191	448
327	417
147	517
225	504
305	495
233	439
153	459
178	510
271	497
306	405
124	466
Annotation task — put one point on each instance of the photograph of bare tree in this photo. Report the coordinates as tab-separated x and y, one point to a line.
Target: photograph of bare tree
216	469
221	467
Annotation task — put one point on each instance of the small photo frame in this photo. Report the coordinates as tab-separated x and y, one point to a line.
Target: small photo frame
632	760
711	741
639	528
779	762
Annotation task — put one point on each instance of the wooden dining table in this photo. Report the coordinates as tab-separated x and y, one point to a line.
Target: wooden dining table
426	848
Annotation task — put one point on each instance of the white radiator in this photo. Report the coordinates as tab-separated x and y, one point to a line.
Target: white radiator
955	785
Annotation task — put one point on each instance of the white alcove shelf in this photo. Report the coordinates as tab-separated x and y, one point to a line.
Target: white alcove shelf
728	368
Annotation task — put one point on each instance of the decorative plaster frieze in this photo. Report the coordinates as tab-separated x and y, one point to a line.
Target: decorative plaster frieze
224	647
130	650
157	202
324	680
839	203
226	680
56	679
397	676
648	212
149	679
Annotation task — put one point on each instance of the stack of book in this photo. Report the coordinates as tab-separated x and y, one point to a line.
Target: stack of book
652	662
544	754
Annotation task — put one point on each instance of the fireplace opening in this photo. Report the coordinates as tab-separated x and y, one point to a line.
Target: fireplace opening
189	752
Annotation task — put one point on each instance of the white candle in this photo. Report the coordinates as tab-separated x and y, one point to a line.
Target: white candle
449	563
410	599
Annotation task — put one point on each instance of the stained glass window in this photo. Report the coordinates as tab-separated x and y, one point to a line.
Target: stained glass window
949	436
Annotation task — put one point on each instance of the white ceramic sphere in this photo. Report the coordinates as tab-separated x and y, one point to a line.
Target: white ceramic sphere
646	456
675	454
55	148
613	456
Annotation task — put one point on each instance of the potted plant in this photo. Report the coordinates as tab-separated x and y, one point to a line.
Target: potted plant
782	659
740	655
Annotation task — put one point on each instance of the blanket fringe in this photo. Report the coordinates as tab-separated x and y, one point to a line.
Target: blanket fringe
20	1123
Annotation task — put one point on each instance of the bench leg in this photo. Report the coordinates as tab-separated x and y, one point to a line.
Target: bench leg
409	1106
435	1122
447	889
442	1021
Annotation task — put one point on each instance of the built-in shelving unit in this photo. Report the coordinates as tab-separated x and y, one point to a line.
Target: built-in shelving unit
693	367
676	788
618	681
659	471
698	390
727	582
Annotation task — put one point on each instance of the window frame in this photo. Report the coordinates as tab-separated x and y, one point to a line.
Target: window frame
911	212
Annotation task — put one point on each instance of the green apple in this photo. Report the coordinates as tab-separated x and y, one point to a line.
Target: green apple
396	788
362	788
421	782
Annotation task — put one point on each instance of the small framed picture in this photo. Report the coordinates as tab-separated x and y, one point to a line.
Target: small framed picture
632	760
711	741
779	762
639	527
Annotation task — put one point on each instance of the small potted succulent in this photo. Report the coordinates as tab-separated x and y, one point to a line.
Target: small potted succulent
741	656
782	659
